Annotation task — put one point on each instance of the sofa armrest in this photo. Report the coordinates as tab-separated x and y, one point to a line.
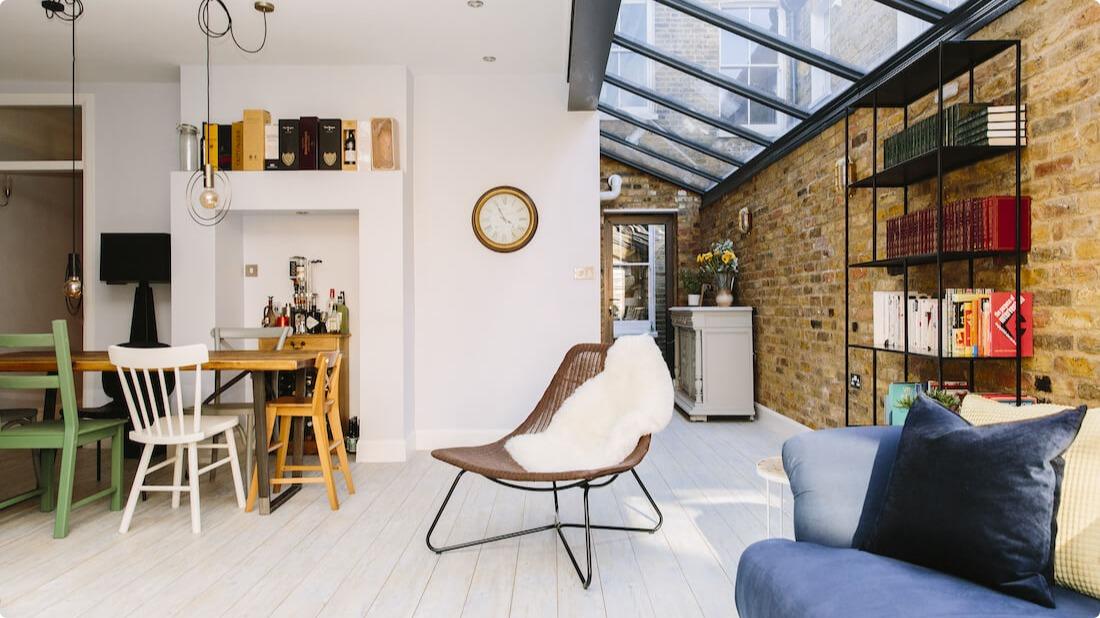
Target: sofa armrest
838	477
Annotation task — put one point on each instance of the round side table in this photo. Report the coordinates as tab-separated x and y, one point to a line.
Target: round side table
771	470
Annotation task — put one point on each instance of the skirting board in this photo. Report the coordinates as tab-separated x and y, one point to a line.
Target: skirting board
381	451
429	439
766	415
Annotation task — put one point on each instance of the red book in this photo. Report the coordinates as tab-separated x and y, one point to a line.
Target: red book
1005	313
1003	222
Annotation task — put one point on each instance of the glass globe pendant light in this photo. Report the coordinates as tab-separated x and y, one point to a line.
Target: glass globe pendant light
73	288
209	194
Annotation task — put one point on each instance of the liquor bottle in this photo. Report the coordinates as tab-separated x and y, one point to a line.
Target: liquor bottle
342	307
349	148
269	313
332	321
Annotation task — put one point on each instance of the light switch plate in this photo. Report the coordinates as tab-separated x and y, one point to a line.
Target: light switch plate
583	273
251	270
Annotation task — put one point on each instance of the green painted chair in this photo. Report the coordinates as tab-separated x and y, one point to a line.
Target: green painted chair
65	435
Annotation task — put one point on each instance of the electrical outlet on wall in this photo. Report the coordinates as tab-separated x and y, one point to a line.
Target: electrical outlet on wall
584	273
251	270
855	381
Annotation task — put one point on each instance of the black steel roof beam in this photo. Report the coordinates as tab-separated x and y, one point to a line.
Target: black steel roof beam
672	104
652	172
711	77
763	37
916	8
652	128
660	157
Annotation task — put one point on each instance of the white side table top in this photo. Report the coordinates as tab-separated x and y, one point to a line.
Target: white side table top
771	469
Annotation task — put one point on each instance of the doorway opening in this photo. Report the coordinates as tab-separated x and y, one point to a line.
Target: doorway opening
639	277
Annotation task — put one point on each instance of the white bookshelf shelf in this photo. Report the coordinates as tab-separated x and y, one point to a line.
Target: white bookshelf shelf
41	167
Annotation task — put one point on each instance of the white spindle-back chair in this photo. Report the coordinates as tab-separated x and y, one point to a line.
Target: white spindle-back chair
136	370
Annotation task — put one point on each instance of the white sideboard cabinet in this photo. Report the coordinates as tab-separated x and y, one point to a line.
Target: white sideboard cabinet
714	358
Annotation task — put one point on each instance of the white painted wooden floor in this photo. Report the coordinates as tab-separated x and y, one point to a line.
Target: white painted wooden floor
369	557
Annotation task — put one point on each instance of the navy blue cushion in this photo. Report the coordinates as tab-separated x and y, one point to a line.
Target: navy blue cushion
977	502
783	579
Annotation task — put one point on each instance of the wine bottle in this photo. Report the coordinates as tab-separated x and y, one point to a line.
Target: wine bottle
349	148
342	307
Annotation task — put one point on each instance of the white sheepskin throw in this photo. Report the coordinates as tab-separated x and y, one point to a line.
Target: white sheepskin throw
602	421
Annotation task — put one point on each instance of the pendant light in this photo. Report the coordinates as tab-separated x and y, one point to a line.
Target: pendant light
73	289
209	194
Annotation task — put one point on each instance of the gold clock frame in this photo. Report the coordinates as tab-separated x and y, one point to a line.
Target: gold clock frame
531	210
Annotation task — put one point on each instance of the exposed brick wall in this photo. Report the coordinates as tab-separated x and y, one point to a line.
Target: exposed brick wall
640	190
792	267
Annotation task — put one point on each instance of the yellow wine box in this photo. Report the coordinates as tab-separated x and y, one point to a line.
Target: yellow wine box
211	144
253	140
238	145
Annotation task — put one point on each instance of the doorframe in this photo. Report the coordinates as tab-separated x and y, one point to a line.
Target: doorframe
662	216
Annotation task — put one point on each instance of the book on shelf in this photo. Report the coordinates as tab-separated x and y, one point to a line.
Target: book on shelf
1010	399
920	137
979	323
969	225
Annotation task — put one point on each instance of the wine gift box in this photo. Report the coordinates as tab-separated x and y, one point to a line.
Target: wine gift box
238	146
351	145
253	141
383	144
329	145
288	144
307	143
225	147
210	148
271	146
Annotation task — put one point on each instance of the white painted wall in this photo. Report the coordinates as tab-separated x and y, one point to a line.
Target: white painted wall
491	328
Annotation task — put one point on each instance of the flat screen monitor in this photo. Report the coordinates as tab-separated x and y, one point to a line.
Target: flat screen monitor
132	258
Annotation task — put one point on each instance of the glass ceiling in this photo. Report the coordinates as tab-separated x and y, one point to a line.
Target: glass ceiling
696	88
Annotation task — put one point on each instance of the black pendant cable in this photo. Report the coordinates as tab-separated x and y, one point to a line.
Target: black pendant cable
70	11
209	193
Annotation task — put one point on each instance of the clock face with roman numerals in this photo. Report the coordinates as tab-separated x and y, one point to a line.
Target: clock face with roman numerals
505	219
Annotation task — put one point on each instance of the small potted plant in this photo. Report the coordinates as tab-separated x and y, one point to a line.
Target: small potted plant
944	398
692	280
721	263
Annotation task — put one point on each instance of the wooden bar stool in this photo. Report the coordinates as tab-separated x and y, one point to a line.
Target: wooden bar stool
324	409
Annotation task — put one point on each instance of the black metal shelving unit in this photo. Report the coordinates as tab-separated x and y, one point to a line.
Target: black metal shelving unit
927	74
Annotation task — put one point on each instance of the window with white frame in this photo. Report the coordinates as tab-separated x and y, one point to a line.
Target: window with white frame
633	22
752	64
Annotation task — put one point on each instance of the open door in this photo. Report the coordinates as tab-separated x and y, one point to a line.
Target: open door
639	277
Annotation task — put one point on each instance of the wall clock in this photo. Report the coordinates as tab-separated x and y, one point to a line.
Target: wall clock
505	219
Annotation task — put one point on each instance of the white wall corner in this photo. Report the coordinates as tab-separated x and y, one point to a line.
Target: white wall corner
780	422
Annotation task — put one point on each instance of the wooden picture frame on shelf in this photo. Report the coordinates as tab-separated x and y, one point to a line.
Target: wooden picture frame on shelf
383	144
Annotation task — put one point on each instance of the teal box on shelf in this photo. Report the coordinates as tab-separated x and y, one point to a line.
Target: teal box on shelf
894	413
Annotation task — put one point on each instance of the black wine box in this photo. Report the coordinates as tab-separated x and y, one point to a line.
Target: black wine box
307	142
329	144
288	144
225	146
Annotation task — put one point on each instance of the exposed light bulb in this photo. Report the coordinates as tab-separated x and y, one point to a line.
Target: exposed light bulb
209	198
73	287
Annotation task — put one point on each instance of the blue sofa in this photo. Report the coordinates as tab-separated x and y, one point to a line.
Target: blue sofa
838	477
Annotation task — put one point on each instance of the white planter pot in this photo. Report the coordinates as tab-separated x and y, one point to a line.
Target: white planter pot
694	300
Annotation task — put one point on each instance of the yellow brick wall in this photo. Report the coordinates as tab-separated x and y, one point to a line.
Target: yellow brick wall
792	267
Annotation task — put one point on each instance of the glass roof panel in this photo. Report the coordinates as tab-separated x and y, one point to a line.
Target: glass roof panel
719	142
665	53
644	162
663	146
698	95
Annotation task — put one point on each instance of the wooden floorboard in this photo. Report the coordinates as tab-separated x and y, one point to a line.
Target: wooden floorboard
369	557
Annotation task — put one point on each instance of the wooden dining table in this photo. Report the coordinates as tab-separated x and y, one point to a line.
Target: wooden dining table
261	364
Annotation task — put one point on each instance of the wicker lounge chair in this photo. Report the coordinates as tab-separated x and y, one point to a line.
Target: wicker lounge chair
494	463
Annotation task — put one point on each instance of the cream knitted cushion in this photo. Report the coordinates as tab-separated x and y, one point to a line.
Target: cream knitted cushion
1077	545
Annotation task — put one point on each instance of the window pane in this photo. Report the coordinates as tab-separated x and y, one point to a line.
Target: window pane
735	108
663	146
632	20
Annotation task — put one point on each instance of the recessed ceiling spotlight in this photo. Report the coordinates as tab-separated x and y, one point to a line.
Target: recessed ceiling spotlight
475	4
488	58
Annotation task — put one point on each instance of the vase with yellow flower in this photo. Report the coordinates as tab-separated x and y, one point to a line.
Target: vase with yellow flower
721	263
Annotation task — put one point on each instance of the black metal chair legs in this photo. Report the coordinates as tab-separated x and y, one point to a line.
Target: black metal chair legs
585	574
